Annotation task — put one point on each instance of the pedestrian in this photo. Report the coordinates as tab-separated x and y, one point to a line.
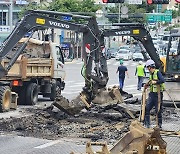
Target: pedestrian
123	71
156	84
140	72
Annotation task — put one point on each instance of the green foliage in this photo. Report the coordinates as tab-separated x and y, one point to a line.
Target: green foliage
81	6
31	6
78	6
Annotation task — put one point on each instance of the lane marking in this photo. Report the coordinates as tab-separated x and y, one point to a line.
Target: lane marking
47	144
137	94
71	92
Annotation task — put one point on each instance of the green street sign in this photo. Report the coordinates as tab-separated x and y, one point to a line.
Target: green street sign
168	12
167	18
159	17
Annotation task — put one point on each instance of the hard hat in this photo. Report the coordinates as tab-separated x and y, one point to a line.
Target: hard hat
121	61
150	63
140	62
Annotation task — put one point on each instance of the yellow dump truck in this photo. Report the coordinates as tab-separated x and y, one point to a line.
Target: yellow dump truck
38	70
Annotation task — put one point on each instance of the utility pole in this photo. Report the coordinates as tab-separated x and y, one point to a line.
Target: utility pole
11	15
119	19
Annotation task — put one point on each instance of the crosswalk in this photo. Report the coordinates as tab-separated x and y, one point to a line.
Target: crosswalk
73	88
111	62
75	84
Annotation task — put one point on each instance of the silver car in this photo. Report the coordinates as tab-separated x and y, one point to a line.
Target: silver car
123	54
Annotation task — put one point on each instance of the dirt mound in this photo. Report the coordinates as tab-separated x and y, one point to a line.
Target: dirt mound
100	123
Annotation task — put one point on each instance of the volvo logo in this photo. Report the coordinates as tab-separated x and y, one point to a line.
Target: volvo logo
61	25
123	32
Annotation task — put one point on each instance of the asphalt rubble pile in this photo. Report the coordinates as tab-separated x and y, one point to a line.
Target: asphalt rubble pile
106	122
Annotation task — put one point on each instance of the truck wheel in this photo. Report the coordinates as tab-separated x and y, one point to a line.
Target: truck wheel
21	95
58	88
53	92
32	94
5	98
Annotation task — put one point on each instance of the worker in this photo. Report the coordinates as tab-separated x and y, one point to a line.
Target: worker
140	72
155	80
123	71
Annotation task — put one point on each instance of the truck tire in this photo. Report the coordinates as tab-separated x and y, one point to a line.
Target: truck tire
55	89
32	94
5	98
58	88
53	92
21	95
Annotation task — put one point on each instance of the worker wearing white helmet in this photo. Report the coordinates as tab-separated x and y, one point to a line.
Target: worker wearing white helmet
140	72
156	84
150	63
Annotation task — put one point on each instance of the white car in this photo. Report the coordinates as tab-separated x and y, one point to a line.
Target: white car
127	47
123	54
137	56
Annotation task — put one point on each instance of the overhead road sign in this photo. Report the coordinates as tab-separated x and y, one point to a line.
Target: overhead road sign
158	17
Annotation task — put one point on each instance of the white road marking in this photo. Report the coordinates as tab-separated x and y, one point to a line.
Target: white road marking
134	85
79	62
48	144
71	92
74	86
137	94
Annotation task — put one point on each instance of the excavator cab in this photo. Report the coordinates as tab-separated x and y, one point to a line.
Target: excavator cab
173	57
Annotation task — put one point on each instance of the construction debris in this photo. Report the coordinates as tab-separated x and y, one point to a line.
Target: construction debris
104	96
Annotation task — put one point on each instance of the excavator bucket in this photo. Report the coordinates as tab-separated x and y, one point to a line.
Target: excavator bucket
104	96
109	95
70	107
140	140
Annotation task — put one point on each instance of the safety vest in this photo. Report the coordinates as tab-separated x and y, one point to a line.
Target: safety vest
153	88
140	70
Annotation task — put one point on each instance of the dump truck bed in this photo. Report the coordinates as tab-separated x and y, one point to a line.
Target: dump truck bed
27	68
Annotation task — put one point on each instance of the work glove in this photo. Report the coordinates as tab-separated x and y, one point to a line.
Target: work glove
153	82
146	86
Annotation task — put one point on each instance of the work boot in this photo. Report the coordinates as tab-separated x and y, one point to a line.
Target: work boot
120	90
160	126
147	121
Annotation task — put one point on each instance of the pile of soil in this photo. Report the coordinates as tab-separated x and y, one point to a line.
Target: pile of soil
102	123
98	124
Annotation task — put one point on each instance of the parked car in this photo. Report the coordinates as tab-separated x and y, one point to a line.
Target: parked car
137	56
123	54
127	47
113	52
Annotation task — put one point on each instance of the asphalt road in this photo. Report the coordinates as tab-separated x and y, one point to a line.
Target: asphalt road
74	81
14	144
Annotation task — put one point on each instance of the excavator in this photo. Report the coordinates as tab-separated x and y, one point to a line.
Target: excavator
169	65
96	77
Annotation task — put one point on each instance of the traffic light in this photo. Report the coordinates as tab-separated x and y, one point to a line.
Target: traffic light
157	1
113	1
